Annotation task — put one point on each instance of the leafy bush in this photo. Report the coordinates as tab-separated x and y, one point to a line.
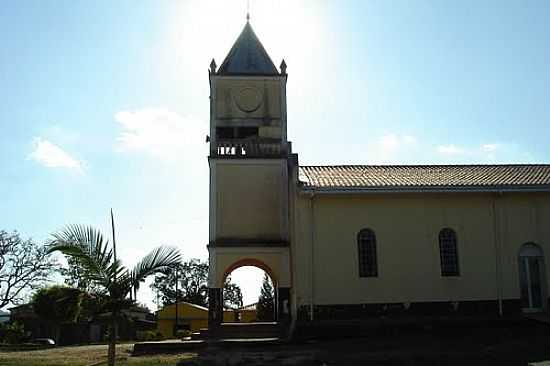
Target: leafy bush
13	333
183	333
57	304
148	335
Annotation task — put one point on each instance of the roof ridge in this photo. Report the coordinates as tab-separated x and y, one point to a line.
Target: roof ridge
439	175
425	165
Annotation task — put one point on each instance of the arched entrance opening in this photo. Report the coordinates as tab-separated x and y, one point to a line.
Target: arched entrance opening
274	261
259	288
532	278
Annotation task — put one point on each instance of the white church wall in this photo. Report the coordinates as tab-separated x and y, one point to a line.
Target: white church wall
249	200
524	218
407	228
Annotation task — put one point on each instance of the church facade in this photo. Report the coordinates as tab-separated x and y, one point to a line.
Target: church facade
363	241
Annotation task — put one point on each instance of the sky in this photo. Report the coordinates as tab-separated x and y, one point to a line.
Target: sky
105	104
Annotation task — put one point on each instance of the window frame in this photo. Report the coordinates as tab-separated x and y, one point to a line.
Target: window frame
367	245
448	237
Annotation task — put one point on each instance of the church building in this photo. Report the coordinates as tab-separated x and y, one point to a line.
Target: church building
363	241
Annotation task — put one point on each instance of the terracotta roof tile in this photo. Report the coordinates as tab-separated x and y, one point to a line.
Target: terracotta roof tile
425	176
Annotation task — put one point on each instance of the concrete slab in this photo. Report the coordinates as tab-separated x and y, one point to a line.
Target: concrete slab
178	346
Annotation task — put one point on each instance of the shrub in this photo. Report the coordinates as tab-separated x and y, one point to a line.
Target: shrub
12	333
149	335
141	335
183	333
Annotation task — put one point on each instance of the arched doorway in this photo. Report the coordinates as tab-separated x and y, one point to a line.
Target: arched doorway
532	278
258	288
274	260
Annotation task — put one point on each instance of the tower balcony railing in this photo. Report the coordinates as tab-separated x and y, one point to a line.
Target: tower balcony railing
256	147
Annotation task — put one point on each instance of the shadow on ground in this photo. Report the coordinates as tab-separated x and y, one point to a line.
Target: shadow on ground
466	346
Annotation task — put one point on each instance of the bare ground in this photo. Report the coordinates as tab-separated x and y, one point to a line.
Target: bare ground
495	346
84	356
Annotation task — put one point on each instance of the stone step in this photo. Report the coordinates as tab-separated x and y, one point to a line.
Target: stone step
248	330
177	346
203	332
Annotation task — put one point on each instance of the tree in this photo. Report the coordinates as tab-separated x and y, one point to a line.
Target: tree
106	273
24	266
193	279
265	309
74	276
12	333
57	305
192	285
232	294
93	303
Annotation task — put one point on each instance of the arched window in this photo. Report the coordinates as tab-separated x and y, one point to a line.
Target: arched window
366	243
531	277
448	253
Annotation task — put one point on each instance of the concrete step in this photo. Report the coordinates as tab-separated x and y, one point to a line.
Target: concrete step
248	330
175	346
203	333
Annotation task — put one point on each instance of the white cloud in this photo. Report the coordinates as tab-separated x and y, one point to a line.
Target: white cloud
392	142
52	156
395	148
390	148
487	153
450	149
409	139
489	147
159	132
389	142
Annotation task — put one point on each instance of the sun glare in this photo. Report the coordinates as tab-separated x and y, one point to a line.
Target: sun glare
198	31
249	280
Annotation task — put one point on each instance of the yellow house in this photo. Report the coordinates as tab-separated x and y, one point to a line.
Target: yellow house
360	241
190	316
248	313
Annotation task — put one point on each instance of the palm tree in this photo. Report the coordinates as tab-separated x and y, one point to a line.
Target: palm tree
101	267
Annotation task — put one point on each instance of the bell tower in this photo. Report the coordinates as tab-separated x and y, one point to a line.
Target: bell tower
249	171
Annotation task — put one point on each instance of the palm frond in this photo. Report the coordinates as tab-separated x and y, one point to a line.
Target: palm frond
157	260
89	247
116	269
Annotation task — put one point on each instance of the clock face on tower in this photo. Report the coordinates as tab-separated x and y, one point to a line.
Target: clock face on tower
248	99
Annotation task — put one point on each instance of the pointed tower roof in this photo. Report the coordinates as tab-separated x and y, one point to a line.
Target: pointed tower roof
247	56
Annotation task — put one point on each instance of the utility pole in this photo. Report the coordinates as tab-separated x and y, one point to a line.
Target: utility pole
114	239
176	327
114	327
158	303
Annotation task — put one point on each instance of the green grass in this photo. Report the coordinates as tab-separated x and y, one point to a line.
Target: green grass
85	356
